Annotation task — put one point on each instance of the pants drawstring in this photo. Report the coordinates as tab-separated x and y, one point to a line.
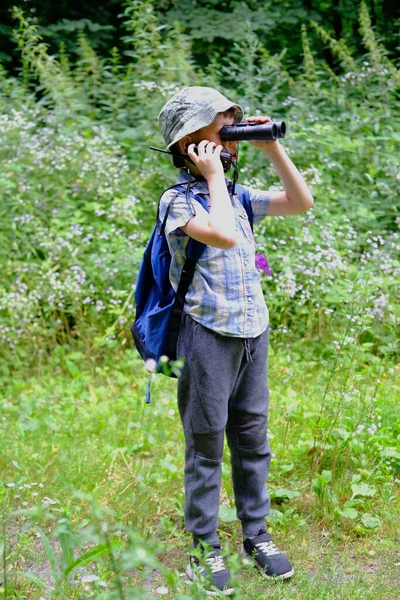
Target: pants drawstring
247	350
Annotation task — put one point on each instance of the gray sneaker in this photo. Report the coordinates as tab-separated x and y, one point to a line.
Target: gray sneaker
267	557
211	572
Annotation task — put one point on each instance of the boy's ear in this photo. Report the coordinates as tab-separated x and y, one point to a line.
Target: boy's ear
184	143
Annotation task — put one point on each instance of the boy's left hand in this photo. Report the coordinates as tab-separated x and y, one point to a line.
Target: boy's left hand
267	147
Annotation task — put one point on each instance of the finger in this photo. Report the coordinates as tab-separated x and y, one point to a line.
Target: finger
259	119
202	145
191	152
217	150
210	147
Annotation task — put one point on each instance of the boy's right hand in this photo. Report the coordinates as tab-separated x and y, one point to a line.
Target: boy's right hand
207	160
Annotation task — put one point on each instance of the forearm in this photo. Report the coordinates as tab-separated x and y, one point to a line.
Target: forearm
221	217
295	187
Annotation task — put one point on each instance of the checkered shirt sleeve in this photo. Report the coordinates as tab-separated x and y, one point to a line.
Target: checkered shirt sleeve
260	201
181	211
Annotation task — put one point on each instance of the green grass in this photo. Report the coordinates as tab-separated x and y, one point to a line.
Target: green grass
88	467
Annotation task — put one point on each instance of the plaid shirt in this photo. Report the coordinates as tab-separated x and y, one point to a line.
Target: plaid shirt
225	294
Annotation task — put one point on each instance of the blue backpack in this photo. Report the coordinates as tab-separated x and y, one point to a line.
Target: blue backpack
159	309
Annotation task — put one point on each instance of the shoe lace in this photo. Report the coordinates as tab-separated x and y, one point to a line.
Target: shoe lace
216	563
268	548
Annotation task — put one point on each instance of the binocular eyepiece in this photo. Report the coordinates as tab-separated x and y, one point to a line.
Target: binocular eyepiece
262	132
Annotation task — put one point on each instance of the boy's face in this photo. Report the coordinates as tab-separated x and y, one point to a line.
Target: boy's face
211	133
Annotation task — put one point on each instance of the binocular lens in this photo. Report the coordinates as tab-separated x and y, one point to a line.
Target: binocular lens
263	132
281	128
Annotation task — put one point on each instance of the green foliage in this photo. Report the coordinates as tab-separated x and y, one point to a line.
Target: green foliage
65	30
320	484
92	496
81	133
78	191
338	48
144	36
308	61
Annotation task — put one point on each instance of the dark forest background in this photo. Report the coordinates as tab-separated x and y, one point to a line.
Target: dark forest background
212	25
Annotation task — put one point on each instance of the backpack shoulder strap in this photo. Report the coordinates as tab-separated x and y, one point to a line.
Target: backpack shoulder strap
177	187
194	250
244	199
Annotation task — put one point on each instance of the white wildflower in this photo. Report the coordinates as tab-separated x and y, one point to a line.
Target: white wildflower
150	365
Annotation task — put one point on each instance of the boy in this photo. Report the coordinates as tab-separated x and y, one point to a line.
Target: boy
224	330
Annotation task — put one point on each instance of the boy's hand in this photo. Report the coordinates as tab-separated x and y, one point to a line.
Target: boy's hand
267	147
206	160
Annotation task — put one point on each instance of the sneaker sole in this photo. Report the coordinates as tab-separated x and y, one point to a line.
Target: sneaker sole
282	576
193	577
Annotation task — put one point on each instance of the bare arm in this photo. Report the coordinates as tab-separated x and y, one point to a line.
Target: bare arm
216	228
297	197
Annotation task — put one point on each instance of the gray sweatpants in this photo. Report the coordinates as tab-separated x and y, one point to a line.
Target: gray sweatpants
223	387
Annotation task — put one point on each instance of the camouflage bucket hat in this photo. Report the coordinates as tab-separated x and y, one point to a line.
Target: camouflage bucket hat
191	109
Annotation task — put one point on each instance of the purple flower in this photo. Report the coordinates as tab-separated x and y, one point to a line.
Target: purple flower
262	264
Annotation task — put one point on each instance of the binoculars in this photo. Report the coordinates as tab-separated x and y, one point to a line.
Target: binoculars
262	132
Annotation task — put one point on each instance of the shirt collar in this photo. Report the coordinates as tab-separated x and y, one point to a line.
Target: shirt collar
201	185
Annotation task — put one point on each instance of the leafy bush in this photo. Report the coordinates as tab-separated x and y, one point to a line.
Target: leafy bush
79	187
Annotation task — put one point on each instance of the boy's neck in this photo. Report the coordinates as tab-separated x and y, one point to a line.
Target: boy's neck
194	171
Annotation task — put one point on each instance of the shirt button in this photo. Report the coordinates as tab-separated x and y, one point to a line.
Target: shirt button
245	263
249	299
